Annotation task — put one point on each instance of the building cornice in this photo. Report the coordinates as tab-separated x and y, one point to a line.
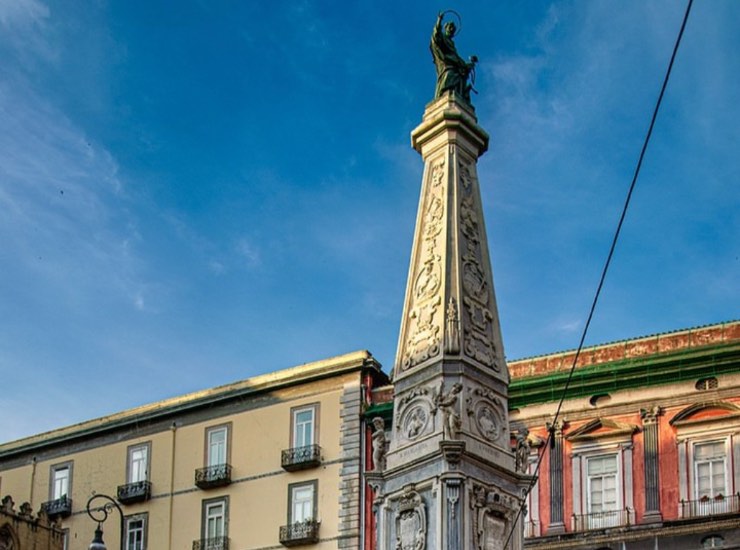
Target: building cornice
250	387
638	372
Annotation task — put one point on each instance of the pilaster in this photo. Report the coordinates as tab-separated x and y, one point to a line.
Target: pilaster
652	464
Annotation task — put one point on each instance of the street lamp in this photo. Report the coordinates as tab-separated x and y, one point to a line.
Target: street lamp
100	515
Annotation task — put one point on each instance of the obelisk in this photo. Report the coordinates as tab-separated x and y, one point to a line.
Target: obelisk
450	480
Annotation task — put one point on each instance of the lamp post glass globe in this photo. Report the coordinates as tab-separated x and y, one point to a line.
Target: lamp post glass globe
97	543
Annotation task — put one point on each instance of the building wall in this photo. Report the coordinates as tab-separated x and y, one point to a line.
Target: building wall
259	424
613	388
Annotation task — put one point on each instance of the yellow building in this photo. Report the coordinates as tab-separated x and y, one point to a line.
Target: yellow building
267	461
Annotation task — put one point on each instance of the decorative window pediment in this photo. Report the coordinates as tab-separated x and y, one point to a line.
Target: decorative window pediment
706	412
601	428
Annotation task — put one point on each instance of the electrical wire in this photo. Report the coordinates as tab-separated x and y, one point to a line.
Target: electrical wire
551	430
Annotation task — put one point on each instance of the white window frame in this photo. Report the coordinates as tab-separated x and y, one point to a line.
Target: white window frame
293	489
533	527
298	430
209	507
619	445
223	455
135	465
606	517
131	530
692	431
56	491
724	443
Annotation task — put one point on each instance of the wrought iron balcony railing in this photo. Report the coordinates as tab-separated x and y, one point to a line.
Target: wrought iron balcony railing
214	543
304	532
604	520
59	508
707	506
532	529
138	491
300	458
213	476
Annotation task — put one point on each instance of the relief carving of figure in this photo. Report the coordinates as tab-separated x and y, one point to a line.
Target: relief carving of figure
447	403
379	444
415	423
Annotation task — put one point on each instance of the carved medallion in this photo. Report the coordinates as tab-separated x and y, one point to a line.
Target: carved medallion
415	422
488	422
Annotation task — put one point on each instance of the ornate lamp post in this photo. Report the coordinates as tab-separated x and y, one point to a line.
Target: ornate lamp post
100	515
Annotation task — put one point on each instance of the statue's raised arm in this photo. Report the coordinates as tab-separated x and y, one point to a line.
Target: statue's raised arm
453	72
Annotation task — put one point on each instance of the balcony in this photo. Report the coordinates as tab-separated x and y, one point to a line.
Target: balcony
300	458
304	532
59	508
214	543
138	491
707	507
213	476
604	520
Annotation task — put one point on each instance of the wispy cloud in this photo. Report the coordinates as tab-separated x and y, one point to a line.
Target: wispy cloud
65	217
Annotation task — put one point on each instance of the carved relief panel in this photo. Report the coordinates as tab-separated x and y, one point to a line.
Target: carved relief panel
492	517
411	522
425	308
478	342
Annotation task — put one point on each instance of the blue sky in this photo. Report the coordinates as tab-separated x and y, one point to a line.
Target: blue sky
199	192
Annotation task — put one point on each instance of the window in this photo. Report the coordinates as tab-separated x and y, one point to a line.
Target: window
706	433
217	443
602	494
215	522
136	532
302	506
710	467
138	463
61	481
304	426
602	474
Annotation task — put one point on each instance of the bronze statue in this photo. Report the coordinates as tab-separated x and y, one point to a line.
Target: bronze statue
453	72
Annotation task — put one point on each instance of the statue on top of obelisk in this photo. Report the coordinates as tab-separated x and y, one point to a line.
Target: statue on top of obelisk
453	72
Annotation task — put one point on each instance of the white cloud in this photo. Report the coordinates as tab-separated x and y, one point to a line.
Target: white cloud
249	252
21	13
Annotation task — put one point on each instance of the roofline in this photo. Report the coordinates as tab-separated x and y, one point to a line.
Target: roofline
300	374
614	343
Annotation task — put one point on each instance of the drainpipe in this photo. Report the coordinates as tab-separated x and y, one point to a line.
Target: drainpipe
173	428
33	480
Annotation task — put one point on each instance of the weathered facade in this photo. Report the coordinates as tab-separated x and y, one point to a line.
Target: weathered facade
646	452
23	529
269	461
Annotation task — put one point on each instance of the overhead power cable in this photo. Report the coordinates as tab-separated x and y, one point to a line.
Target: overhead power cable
551	431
